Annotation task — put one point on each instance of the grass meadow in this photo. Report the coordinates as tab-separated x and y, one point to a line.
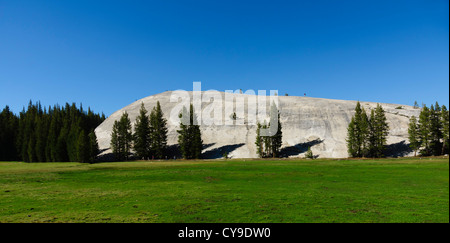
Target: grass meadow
227	191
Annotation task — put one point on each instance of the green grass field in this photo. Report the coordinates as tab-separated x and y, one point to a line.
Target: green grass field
387	190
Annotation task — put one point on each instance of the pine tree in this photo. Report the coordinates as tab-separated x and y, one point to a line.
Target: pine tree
424	131
357	133
183	133
141	136
270	146
3	139
189	138
31	150
8	135
197	142
93	147
381	131
277	139
372	136
352	143
121	138
83	150
363	133
41	138
259	142
361	128
52	139
61	145
267	142
432	130
194	130
413	133
445	128
115	141
125	130
435	129
20	134
158	125
28	139
367	136
72	139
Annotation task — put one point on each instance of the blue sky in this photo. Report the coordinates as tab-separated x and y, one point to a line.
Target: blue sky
107	54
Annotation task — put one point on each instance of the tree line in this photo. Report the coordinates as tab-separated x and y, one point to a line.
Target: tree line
56	134
149	139
367	136
66	133
429	134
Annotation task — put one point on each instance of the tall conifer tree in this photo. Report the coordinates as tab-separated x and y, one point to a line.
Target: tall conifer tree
381	131
445	129
158	125
93	147
277	139
259	142
371	136
183	134
352	143
435	129
121	137
413	133
141	136
425	130
189	138
270	146
267	142
82	147
358	130
115	141
194	130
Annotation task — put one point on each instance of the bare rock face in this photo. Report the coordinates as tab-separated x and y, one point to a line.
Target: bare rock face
306	122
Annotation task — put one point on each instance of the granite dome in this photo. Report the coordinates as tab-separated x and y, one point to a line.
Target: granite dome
316	122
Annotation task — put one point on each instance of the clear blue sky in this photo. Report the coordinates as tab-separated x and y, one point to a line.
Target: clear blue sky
107	54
